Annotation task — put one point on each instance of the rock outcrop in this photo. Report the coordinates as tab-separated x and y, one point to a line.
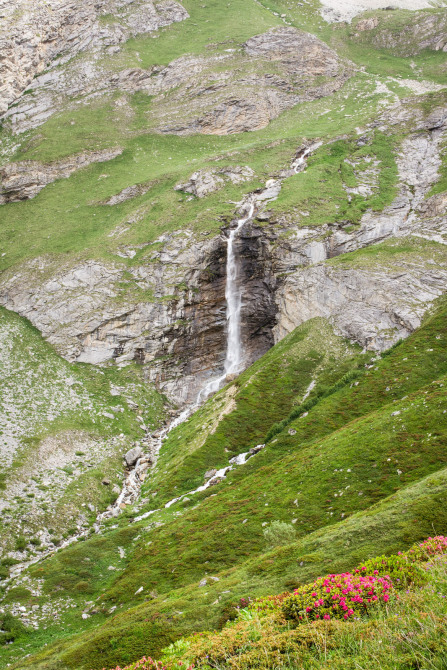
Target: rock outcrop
424	31
346	10
224	102
24	180
78	309
221	93
370	306
204	182
36	34
128	193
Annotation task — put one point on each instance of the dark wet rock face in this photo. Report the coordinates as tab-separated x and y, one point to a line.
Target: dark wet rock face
193	347
258	282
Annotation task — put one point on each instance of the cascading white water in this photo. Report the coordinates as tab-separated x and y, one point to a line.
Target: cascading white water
233	297
299	163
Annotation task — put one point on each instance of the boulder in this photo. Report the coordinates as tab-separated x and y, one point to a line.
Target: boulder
132	456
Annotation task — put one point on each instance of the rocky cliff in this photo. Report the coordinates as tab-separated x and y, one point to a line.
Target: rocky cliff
37	35
288	276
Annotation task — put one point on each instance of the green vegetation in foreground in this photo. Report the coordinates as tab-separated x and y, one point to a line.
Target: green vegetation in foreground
392	524
395	631
363	473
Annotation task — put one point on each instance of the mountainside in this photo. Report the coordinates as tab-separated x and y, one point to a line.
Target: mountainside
223	278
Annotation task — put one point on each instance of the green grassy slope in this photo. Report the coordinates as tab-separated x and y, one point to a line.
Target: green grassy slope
238	418
82	410
363	473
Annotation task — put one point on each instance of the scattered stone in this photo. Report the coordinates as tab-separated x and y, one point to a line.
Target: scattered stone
257	449
127	194
367	24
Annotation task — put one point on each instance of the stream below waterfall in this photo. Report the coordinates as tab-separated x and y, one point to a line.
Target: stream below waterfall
233	364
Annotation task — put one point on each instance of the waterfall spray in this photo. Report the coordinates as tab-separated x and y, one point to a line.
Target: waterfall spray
233	297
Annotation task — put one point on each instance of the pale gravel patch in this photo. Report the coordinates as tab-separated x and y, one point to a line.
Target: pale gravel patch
345	10
419	87
34	392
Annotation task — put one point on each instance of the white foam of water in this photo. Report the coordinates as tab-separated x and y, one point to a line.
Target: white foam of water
132	482
233	297
309	389
240	459
300	162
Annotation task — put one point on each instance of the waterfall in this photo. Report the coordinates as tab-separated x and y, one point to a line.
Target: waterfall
233	297
300	162
234	354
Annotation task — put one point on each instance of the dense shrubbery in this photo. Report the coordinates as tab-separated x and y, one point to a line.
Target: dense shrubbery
282	631
338	597
401	570
279	532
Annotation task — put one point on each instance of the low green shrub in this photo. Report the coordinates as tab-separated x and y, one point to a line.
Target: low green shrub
20	543
399	568
269	604
278	533
176	651
11	628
